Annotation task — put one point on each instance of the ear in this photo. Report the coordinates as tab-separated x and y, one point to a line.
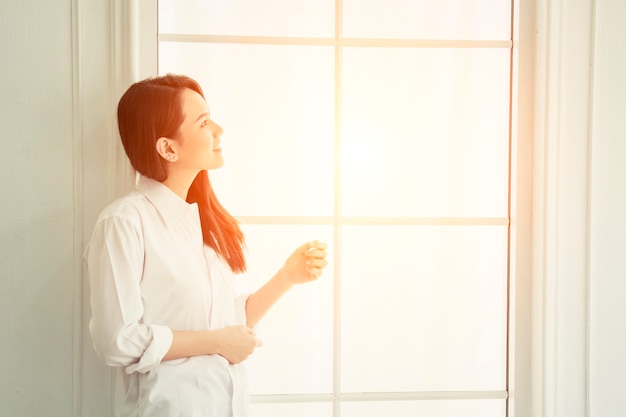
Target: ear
165	149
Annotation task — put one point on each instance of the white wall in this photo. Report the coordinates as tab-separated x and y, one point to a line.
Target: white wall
37	247
58	90
607	269
97	113
58	95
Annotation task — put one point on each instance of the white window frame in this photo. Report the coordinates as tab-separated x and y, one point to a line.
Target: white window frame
548	303
337	221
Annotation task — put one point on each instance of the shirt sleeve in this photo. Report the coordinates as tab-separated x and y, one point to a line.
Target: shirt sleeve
114	261
240	308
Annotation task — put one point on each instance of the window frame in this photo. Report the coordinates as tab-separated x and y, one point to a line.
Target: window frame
554	38
135	47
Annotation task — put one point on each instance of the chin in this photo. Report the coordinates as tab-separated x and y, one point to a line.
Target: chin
216	165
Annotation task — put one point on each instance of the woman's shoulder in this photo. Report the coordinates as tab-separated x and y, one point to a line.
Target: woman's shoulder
122	217
129	207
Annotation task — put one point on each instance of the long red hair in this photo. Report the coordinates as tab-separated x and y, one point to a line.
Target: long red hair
150	109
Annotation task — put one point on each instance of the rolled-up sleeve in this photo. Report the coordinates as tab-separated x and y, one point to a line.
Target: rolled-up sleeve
114	261
240	308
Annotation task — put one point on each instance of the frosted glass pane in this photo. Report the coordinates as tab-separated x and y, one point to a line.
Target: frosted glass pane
427	19
291	410
276	105
248	17
423	308
296	356
455	408
425	132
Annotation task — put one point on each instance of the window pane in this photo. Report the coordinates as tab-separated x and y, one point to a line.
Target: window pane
423	308
291	410
296	356
426	19
276	105
425	132
248	17
430	408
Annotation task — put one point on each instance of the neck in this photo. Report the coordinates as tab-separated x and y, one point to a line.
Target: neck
179	182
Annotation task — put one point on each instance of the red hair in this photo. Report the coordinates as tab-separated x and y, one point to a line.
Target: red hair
151	109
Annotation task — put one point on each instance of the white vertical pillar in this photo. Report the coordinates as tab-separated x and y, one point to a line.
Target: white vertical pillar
607	339
115	45
561	208
522	135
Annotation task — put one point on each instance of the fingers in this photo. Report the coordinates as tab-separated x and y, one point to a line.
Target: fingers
317	263
314	267
315	250
239	343
315	253
257	342
312	246
250	331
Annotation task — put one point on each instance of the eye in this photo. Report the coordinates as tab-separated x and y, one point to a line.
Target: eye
204	123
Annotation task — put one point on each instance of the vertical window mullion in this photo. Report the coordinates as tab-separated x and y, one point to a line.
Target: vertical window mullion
337	213
509	241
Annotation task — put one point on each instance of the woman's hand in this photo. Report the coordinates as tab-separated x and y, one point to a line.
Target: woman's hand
236	343
305	264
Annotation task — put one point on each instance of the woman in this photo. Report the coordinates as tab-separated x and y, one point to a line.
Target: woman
161	262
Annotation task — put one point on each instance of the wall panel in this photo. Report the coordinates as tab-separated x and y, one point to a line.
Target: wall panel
37	245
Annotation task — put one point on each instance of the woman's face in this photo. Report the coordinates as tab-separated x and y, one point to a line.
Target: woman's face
198	141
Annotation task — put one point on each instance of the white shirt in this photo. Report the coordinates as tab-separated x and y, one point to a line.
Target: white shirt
150	273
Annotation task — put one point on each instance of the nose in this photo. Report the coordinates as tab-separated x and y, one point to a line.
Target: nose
217	130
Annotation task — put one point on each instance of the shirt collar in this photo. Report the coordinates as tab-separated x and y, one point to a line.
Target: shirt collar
167	202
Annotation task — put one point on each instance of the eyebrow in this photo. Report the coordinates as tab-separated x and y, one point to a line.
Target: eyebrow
201	116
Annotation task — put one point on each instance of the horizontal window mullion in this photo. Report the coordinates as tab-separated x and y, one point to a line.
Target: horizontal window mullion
263	40
278	220
426	43
375	221
381	396
348	42
425	221
291	398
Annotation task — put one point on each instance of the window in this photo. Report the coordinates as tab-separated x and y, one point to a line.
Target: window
383	128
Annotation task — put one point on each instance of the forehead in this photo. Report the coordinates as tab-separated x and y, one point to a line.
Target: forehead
193	104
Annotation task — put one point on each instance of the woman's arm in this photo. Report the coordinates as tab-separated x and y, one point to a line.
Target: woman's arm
304	265
234	343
